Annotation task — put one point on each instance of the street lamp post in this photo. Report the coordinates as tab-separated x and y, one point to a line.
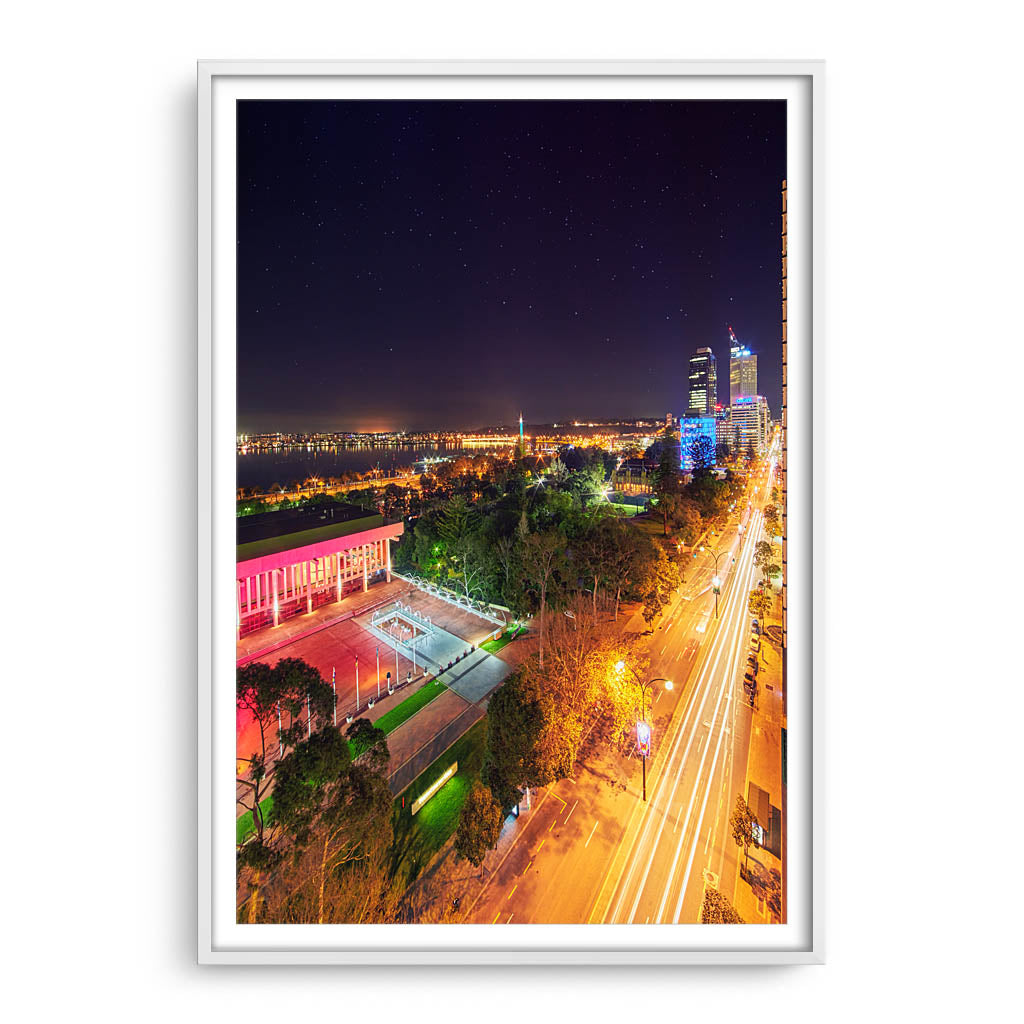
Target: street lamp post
716	581
643	728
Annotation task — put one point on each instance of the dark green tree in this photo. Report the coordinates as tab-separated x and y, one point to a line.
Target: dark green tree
527	744
291	691
337	817
702	454
369	745
479	825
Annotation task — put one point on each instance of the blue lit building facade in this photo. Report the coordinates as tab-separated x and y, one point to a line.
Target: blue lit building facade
690	429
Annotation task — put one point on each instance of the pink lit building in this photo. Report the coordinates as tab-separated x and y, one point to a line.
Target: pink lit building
291	562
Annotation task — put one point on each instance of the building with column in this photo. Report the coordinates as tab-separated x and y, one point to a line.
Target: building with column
703	384
293	561
742	370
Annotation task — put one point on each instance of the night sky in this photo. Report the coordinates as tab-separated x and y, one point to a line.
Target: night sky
417	265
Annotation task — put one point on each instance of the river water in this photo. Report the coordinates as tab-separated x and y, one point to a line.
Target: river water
265	468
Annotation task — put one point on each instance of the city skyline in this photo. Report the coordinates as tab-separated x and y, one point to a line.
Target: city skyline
565	256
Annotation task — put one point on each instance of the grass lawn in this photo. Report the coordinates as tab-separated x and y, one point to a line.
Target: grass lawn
624	510
653	526
244	826
418	837
506	638
402	712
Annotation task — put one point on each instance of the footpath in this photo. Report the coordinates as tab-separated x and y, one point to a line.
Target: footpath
758	892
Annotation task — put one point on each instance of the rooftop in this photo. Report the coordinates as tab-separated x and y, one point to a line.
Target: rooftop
269	532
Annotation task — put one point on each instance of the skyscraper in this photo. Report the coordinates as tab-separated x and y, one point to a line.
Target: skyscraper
751	421
703	384
742	370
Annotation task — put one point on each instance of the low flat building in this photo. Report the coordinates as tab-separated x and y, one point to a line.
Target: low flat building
295	560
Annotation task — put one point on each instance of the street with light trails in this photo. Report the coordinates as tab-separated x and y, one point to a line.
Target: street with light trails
590	848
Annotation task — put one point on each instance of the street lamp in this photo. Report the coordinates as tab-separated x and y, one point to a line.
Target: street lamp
643	728
716	582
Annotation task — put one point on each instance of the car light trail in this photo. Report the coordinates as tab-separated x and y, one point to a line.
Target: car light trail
712	700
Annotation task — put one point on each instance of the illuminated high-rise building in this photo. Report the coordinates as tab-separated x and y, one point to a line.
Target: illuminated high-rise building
742	370
691	430
751	423
703	383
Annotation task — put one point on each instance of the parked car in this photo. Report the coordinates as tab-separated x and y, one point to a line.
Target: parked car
756	627
753	664
755	644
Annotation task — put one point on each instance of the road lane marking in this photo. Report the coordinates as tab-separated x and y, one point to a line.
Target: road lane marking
591	836
569	815
542	842
512	846
552	825
727	641
704	686
735	661
510	916
528	866
496	916
514	887
697	701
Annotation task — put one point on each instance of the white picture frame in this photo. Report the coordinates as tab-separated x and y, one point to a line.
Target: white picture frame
220	939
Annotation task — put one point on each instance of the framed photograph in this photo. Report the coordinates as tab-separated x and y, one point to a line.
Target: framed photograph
507	477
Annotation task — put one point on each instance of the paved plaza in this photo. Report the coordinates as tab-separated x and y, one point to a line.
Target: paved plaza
334	636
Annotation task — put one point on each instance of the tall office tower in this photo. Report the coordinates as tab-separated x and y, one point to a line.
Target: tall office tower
703	383
742	370
725	433
751	422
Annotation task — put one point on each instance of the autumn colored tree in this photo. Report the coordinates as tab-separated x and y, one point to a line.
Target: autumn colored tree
716	909
742	823
543	561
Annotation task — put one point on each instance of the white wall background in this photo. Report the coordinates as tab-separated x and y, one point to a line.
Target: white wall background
98	332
